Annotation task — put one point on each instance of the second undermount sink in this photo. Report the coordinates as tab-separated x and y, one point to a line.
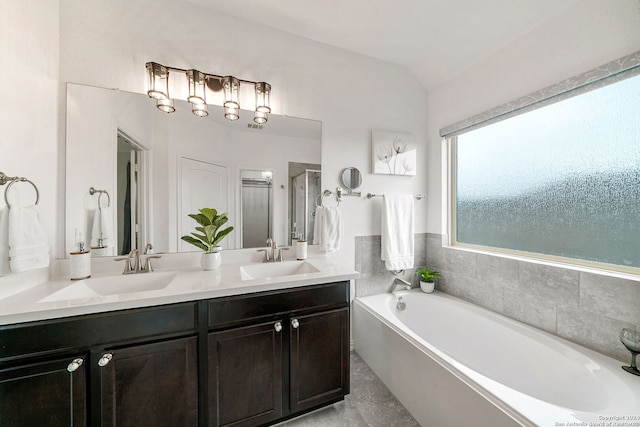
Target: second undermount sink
112	285
276	269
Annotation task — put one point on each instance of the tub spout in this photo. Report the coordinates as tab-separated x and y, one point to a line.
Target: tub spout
399	282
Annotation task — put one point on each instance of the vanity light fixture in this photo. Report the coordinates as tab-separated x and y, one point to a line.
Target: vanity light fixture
263	90
231	87
158	81
232	113
197	93
200	110
165	105
198	83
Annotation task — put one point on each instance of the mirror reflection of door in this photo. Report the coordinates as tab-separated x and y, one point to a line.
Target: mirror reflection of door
305	189
129	200
202	185
256	207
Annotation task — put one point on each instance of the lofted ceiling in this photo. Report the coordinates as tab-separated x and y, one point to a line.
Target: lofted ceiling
433	39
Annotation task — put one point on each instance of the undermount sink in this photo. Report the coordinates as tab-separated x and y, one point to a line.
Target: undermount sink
112	285
276	269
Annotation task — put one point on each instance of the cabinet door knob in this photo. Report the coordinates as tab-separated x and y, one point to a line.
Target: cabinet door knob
75	364
295	323
105	359
277	326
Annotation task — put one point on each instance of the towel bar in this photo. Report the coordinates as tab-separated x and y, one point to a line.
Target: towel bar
371	195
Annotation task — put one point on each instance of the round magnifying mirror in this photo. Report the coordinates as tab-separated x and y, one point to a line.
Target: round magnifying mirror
351	178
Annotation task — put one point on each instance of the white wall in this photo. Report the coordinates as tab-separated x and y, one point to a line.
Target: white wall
107	44
589	34
29	109
46	43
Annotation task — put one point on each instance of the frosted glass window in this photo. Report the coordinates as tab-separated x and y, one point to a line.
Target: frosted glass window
561	180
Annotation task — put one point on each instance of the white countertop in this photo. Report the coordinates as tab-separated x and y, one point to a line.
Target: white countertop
190	283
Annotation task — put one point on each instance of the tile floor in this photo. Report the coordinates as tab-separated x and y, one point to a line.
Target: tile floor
370	404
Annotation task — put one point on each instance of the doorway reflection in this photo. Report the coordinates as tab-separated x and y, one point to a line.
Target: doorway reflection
257	207
305	189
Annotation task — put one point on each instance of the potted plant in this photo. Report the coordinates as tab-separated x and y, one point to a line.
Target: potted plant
427	278
208	236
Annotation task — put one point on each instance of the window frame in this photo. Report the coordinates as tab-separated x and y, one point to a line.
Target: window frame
605	75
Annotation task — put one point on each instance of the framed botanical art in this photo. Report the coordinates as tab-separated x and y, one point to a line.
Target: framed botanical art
393	153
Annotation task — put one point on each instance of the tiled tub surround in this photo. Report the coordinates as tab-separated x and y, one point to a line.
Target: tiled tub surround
586	308
374	277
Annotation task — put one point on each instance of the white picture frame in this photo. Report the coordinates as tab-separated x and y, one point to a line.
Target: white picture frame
393	153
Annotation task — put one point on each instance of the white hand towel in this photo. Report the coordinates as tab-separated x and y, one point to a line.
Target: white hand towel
317	226
331	229
28	247
102	229
4	242
397	231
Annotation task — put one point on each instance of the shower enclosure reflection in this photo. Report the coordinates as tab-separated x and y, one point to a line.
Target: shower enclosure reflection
257	207
305	189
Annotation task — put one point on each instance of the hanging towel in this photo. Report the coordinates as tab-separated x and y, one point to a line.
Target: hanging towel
331	229
4	242
103	229
317	226
28	247
397	231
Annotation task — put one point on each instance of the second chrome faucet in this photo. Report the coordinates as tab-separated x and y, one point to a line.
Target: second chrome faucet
272	252
132	263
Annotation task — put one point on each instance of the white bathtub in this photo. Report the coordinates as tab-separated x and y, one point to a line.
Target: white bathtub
452	363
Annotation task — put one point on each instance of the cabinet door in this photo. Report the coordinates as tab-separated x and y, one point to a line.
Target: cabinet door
319	358
51	393
245	375
151	385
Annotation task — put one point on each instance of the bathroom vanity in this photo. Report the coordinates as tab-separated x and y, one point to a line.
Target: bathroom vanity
262	352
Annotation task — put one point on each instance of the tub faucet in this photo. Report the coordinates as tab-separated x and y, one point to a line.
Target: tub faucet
399	282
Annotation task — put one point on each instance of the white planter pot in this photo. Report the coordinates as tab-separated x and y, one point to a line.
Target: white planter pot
211	261
427	287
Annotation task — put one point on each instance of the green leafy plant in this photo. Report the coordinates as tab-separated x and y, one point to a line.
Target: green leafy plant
427	275
208	236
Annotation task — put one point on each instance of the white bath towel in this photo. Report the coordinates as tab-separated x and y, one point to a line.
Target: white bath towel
102	229
317	226
28	246
5	269
331	229
397	231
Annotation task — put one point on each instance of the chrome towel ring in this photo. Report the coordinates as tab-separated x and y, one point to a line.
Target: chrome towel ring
320	198
12	180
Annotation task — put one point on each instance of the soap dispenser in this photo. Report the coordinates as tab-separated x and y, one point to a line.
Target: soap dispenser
80	261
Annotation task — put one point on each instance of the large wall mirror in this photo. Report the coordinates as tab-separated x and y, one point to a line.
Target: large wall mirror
155	168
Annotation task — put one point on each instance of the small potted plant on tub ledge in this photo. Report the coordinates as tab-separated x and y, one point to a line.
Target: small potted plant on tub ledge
209	236
427	278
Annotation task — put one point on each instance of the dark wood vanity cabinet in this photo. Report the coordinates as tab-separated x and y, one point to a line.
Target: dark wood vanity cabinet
51	393
150	384
248	360
245	375
288	354
319	359
127	368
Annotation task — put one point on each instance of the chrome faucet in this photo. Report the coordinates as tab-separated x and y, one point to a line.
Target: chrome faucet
399	282
270	254
132	264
